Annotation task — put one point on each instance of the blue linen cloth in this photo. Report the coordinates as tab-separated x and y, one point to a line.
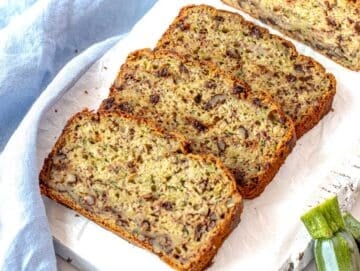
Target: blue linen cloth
37	38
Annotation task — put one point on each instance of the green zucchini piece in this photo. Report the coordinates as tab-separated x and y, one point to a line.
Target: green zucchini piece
338	253
352	226
324	220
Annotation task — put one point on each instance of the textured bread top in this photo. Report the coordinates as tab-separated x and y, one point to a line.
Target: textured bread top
216	113
266	62
138	182
332	27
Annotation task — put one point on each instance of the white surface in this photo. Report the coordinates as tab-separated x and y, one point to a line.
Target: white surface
269	232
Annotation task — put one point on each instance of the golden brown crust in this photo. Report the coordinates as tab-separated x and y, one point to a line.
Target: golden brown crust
356	4
315	114
204	257
283	150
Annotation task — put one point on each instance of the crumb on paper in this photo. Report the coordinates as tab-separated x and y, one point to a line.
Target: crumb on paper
76	215
301	255
105	68
86	92
55	110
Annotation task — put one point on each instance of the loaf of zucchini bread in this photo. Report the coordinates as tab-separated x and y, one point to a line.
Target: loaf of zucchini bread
138	182
330	26
266	62
215	112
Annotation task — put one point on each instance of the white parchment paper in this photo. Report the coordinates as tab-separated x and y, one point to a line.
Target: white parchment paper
270	235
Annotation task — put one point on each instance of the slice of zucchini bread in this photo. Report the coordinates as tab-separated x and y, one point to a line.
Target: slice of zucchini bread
266	62
216	113
332	27
139	183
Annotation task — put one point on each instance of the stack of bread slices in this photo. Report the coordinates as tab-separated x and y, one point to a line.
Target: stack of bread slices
188	130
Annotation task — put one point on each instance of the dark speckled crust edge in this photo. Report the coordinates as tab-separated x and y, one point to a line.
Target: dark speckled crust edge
204	257
284	148
356	4
314	114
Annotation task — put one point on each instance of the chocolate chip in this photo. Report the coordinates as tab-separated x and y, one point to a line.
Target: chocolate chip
163	72
167	205
210	84
275	116
132	132
184	26
286	44
131	165
197	98
126	107
271	21
129	76
214	101
328	6
291	78
122	222
331	21
108	103
198	125
244	132
111	210
257	102
233	53
89	200
238	89
119	87
212	219
148	148
145	225
299	68
154	98
306	78
221	145
357	27
256	32
203	31
200	229
183	69
219	18
150	197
